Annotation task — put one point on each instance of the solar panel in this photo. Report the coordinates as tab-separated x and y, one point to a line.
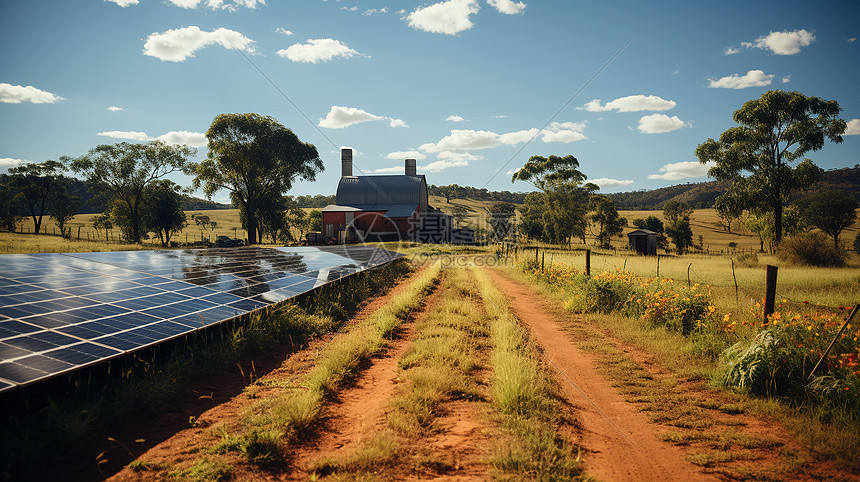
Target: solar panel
61	312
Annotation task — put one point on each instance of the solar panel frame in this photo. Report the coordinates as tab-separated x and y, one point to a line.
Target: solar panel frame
74	310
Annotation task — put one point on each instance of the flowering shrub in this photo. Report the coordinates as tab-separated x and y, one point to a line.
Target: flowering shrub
774	357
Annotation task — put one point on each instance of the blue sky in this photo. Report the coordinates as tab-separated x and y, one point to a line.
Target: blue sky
463	85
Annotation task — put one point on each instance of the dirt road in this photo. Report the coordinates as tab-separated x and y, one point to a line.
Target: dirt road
619	439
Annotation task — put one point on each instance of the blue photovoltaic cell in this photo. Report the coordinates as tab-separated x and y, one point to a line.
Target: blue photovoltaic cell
61	312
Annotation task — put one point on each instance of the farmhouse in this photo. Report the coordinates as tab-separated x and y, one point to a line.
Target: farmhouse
383	208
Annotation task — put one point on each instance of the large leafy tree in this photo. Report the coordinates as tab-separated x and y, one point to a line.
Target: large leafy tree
774	132
558	212
829	211
38	185
64	206
163	214
609	223
10	209
653	223
254	157
123	171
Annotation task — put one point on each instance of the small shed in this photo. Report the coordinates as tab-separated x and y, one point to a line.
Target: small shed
643	241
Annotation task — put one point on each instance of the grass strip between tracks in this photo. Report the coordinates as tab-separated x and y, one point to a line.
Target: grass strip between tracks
526	397
272	422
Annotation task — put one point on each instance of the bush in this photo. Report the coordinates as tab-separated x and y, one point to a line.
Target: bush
812	249
857	243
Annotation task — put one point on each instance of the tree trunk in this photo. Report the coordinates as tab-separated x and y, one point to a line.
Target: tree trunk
135	229
37	223
252	223
777	222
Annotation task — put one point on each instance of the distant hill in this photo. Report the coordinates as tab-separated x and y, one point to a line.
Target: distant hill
702	194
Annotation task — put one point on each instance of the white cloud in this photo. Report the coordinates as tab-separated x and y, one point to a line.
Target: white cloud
852	40
389	170
123	3
372	11
753	78
786	79
396	122
675	72
15	94
406	155
605	182
565	132
442	165
783	43
469	140
682	170
511	172
176	45
114	108
339	117
185	3
518	137
454	118
450	17
130	135
349	9
507	6
7	162
193	139
631	103
500	116
659	123
217	4
463	140
318	50
731	51
283	31
853	128
458	156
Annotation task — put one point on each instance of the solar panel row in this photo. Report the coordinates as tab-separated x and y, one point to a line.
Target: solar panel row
63	312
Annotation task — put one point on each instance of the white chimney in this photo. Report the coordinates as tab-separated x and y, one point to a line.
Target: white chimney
410	167
346	162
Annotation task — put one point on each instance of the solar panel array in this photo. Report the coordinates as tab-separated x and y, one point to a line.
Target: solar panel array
63	312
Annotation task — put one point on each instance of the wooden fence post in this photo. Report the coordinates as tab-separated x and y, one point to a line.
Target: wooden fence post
769	291
736	281
587	262
658	266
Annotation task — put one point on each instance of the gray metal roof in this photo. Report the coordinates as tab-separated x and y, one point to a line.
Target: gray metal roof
390	210
398	189
641	232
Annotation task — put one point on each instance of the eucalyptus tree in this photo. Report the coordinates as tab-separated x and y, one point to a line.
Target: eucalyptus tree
559	210
123	171
254	158
774	131
38	184
829	211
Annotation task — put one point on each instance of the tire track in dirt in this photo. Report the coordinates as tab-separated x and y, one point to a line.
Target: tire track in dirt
456	450
185	443
360	410
618	438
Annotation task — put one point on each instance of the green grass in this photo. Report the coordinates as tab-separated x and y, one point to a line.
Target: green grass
273	421
526	397
441	359
683	356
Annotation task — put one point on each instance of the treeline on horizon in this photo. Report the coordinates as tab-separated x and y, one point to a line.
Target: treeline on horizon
699	195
